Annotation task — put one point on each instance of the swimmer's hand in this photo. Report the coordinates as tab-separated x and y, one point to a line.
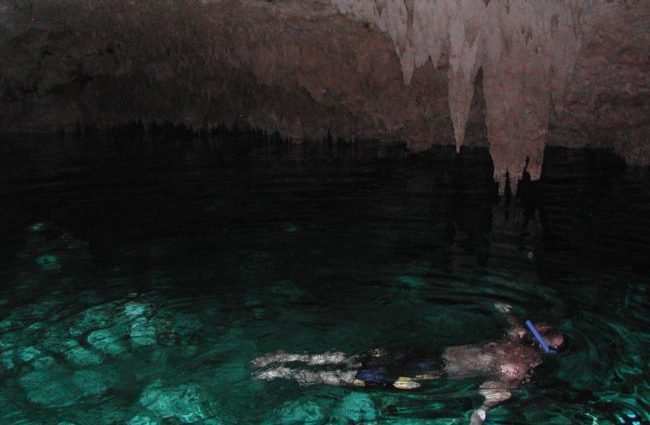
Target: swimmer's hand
502	308
478	417
516	330
405	383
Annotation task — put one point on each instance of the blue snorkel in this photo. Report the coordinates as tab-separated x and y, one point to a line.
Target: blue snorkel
533	330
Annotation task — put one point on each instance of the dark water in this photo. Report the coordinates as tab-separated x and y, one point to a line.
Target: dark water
138	279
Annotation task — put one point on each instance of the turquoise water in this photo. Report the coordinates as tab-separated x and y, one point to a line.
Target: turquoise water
138	279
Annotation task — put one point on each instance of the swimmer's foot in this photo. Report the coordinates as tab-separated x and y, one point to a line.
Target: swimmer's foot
267	359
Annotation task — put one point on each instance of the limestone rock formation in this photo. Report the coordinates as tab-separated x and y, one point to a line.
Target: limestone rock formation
510	75
527	51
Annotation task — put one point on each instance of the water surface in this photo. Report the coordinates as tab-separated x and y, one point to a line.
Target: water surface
139	278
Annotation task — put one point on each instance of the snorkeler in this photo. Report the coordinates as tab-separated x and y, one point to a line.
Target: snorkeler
503	364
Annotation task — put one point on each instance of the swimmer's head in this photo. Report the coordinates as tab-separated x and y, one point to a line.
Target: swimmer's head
552	336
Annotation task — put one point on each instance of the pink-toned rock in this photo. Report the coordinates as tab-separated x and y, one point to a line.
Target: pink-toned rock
566	72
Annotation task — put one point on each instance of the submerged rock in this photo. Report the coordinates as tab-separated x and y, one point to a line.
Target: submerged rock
182	402
357	407
45	309
134	309
213	421
28	354
60	387
89	382
142	420
7	359
299	412
44	362
176	328
83	357
106	341
92	319
56	342
143	332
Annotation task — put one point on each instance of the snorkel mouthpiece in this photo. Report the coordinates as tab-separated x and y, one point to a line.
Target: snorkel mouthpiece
533	330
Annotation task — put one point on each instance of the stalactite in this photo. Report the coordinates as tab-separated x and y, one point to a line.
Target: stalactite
525	48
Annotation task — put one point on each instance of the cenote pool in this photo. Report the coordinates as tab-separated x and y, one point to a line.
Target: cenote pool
138	279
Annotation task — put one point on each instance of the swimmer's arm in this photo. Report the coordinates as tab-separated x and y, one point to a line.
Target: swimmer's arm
495	392
516	329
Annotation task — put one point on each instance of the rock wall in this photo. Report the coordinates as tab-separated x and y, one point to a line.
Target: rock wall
510	75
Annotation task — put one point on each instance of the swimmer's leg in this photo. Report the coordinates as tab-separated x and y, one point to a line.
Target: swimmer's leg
309	377
310	359
494	393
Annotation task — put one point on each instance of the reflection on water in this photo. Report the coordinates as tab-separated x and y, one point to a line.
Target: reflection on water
140	279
